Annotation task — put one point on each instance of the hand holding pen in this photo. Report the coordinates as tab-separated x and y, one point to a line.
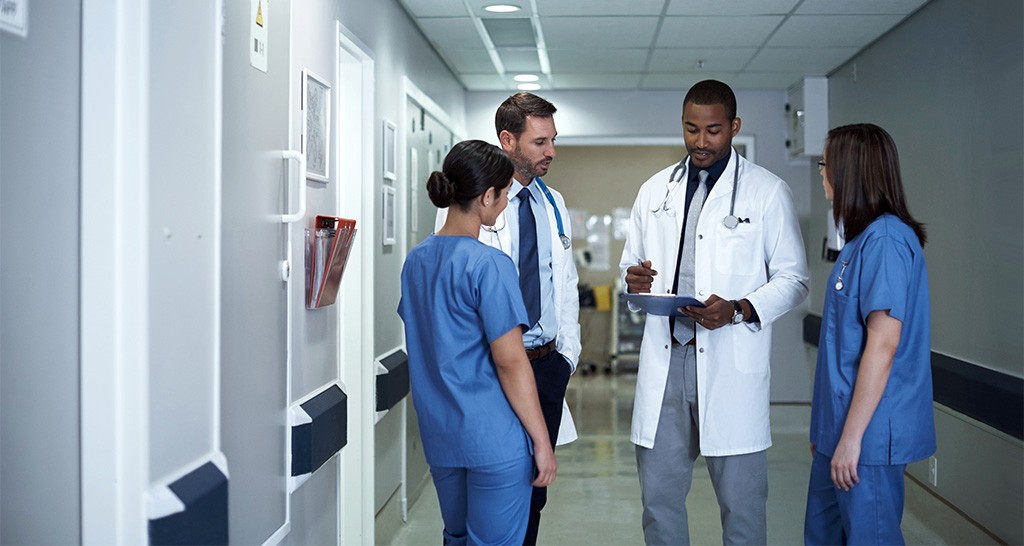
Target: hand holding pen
640	277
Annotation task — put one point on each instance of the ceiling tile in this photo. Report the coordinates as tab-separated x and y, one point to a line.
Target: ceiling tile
519	59
734	31
598	32
484	82
469	60
817	61
731	8
451	33
435	8
861	7
601	61
511	32
832	30
683	81
582	8
686	60
596	81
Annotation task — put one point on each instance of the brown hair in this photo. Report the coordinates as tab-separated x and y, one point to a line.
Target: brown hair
863	167
511	115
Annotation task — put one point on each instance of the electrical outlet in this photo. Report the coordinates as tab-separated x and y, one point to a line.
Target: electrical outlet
933	471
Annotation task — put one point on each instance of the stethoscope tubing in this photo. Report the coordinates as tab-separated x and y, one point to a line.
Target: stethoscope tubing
729	221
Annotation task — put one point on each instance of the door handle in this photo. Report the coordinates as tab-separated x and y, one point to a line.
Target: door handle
301	213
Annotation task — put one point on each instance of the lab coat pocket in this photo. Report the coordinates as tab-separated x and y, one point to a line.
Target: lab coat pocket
737	250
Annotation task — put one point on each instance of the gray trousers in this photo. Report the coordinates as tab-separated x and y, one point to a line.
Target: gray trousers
666	470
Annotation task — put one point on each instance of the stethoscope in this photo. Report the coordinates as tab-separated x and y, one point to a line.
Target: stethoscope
566	242
678	176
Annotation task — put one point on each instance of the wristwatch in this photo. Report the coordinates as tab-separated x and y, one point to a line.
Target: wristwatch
737	315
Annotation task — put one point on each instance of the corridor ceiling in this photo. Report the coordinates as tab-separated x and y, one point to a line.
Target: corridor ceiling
651	44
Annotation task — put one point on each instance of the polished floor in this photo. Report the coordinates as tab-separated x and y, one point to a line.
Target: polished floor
596	496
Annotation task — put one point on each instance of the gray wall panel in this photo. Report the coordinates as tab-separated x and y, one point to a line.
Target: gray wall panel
40	79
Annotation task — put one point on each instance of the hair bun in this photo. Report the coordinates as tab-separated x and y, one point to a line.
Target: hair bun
440	189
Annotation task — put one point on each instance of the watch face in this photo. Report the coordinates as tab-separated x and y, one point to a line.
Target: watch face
737	317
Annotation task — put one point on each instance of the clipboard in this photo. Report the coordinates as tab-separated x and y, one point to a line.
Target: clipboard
664	305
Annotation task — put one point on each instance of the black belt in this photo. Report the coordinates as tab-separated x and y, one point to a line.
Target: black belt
542	351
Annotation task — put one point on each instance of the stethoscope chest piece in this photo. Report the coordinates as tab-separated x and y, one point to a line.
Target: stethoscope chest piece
839	284
731	221
565	240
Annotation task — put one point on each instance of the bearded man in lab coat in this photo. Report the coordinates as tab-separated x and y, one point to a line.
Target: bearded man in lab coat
723	230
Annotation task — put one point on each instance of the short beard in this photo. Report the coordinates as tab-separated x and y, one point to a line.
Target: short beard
522	165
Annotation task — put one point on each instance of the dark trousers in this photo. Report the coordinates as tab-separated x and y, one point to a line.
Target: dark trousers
552	375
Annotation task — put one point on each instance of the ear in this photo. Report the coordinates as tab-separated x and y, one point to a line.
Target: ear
507	140
735	126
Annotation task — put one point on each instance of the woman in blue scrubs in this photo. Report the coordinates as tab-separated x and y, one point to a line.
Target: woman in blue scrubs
483	432
872	407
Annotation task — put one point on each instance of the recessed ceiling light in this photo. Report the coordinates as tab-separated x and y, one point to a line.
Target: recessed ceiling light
526	77
528	86
502	8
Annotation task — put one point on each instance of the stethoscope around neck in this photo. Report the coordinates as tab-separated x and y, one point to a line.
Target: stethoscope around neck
678	177
558	217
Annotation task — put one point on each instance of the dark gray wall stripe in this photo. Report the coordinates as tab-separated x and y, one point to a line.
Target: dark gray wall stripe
393	385
204	492
992	397
313	443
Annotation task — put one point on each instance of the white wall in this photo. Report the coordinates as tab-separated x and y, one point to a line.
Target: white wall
628	116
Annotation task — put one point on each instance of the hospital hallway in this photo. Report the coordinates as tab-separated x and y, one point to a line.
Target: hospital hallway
596	497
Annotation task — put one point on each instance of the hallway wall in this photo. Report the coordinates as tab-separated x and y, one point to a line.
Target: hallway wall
40	78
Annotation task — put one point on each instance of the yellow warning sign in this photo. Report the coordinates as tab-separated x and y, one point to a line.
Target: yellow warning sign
259	14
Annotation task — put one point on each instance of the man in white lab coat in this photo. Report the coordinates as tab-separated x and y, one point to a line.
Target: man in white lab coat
721	229
526	131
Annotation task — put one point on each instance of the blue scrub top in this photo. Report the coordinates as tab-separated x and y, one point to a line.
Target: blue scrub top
881	268
459	295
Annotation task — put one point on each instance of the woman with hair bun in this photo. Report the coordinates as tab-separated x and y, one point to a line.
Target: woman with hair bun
872	409
474	391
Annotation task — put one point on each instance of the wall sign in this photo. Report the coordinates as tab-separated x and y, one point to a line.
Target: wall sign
14	17
259	22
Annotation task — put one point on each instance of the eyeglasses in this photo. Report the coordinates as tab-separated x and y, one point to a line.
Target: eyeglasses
821	164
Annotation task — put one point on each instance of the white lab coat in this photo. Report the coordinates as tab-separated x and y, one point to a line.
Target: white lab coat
762	261
566	293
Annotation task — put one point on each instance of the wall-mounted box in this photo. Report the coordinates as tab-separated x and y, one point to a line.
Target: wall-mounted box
807	117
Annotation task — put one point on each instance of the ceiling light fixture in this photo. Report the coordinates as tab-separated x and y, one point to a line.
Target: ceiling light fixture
528	86
526	77
502	8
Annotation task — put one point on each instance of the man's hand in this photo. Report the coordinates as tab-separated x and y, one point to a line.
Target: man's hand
639	278
715	313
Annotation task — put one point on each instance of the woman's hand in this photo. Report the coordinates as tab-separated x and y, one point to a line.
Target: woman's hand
844	463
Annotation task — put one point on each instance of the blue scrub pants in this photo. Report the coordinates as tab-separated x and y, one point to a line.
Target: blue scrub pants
487	504
869	513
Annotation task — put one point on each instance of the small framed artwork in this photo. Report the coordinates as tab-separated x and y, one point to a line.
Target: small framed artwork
390	146
744	144
388	216
316	127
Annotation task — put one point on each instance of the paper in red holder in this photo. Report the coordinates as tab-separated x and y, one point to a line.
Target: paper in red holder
327	249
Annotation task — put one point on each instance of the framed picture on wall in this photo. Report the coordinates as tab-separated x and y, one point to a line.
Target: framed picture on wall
316	126
388	220
744	144
390	145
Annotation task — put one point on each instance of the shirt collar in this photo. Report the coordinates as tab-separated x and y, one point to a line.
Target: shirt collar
516	187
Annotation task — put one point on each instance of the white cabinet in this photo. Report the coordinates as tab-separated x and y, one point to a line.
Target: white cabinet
807	117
